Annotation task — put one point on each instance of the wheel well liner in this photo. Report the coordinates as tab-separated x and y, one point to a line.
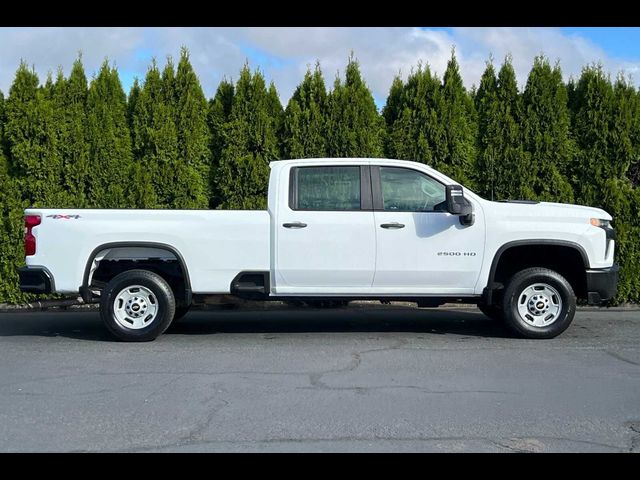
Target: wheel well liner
491	287
84	289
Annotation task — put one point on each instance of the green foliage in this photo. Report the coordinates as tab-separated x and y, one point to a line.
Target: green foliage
593	106
70	144
11	242
545	129
412	119
155	143
217	117
192	169
501	153
31	136
250	144
71	99
305	133
132	101
109	183
455	151
354	127
605	126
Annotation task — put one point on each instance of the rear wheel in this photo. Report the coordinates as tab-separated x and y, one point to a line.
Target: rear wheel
137	306
538	303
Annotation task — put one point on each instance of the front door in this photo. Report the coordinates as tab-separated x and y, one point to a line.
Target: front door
422	249
325	235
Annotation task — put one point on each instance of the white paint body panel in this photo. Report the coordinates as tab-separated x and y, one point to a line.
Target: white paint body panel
339	253
65	245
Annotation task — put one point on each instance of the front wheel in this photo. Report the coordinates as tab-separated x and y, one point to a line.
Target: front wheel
538	303
137	306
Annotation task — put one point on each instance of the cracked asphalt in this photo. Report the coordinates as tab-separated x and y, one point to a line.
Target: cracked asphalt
354	379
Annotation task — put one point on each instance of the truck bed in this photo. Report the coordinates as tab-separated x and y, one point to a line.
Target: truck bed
215	244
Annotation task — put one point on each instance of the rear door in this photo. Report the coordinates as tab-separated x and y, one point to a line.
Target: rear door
325	235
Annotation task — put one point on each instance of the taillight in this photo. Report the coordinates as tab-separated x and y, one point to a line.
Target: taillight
30	221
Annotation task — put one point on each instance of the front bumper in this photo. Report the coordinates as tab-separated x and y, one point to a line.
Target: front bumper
36	280
602	284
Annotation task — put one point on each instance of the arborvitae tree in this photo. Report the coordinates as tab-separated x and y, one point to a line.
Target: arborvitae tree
277	114
74	142
11	232
242	175
545	128
634	169
192	169
2	120
169	83
11	250
593	115
455	154
415	127
393	107
618	195
32	141
486	101
625	129
354	126
109	183
305	118
155	142
501	151
217	118
132	101
604	120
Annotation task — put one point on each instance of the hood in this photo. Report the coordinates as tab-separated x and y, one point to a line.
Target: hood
550	209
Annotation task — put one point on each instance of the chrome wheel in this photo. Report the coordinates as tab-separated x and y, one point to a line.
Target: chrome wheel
135	307
539	305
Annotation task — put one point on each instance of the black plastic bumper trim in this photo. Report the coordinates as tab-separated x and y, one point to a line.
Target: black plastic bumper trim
36	280
602	284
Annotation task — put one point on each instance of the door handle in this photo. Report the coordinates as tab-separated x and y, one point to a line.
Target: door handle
294	225
393	225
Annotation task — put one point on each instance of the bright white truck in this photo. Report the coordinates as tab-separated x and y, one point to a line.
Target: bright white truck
335	229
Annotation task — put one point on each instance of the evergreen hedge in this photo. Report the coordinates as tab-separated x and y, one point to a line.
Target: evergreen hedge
72	143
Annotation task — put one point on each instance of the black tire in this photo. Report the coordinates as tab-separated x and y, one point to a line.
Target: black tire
494	312
161	293
513	294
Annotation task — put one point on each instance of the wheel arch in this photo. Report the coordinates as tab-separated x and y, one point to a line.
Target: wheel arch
492	285
85	290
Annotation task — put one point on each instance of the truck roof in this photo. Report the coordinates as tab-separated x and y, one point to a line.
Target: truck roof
361	160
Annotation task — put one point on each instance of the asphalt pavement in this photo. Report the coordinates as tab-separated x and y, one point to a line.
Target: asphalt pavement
353	379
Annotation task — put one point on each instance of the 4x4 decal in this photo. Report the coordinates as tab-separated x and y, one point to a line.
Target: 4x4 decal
63	217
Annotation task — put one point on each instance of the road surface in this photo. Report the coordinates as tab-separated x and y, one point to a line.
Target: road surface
352	379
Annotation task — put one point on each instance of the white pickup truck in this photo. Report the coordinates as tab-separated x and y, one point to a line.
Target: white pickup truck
335	230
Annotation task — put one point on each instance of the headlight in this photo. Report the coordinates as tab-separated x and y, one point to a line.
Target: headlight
598	222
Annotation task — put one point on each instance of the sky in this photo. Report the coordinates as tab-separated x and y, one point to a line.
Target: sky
283	54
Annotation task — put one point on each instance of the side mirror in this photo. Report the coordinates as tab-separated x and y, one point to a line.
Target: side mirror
458	205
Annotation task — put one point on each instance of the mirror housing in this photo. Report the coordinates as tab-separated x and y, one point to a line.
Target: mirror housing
458	205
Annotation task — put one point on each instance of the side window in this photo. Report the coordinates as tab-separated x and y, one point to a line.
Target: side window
327	188
406	190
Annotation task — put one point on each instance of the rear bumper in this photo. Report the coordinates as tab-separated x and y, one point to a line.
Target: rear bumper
36	280
602	284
